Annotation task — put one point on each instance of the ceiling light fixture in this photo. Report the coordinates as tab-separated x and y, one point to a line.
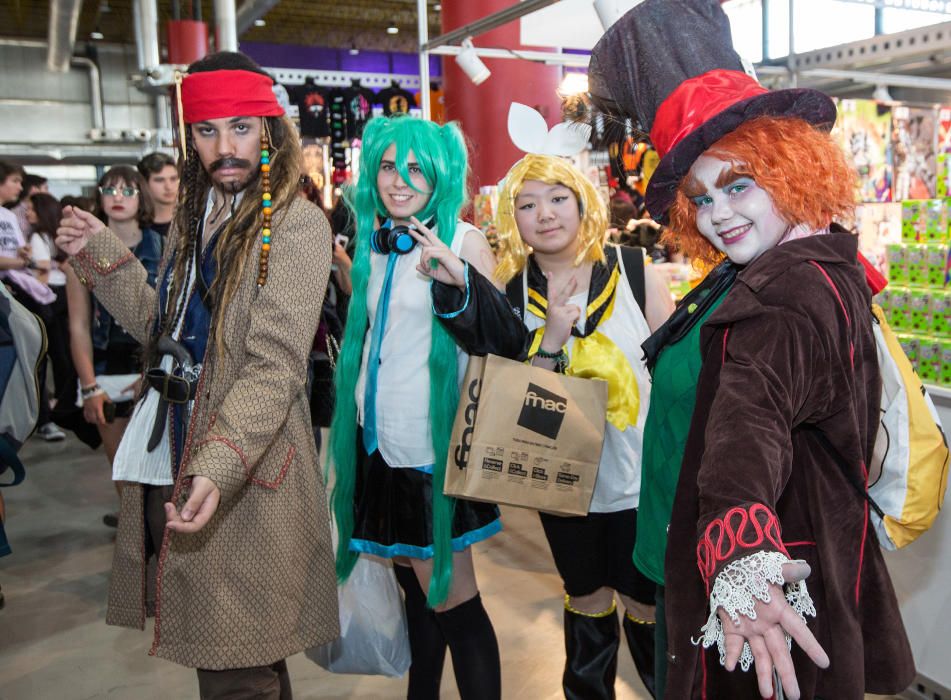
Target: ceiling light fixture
259	23
353	49
471	64
392	30
437	7
96	35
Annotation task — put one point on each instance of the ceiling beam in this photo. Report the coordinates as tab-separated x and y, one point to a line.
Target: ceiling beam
480	26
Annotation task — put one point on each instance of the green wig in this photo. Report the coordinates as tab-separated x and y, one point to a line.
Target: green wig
441	154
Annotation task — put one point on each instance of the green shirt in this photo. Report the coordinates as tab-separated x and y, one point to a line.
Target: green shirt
673	396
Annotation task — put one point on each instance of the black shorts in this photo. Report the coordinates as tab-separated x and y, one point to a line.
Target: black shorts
595	551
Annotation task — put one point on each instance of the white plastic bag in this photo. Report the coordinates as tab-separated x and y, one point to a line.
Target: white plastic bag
373	638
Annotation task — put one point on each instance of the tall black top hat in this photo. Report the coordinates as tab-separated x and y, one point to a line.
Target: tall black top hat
670	66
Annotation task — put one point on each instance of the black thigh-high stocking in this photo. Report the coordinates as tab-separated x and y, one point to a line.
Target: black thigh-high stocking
474	649
426	642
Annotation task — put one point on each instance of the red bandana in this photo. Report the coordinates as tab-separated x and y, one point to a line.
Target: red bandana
228	93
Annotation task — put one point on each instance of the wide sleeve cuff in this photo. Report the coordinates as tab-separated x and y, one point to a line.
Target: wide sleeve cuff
738	586
102	255
450	298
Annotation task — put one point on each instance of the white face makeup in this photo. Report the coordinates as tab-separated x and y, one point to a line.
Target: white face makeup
401	200
547	217
733	212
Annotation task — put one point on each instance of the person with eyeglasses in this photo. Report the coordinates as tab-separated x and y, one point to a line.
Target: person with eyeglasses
105	355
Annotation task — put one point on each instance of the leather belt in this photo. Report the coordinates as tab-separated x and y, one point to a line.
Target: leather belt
172	389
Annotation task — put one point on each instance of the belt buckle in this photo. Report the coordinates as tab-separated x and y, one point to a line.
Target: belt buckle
165	381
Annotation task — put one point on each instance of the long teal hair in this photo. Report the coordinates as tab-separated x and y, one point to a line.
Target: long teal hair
441	154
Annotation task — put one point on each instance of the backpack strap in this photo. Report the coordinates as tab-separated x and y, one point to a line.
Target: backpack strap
514	292
632	257
8	458
823	440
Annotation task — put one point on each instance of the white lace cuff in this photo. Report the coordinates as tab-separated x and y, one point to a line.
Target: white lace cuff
734	590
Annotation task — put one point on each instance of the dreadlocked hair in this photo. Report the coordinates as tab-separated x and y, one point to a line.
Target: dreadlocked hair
241	236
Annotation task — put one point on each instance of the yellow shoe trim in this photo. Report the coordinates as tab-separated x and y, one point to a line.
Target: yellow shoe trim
609	611
638	620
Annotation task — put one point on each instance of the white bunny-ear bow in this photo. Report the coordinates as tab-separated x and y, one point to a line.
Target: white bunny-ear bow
530	133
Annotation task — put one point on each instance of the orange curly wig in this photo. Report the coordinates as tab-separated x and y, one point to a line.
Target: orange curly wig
802	168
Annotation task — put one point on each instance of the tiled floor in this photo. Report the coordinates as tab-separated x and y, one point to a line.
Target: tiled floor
54	643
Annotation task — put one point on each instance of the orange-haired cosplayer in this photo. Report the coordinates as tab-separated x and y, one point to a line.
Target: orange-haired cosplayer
749	516
801	167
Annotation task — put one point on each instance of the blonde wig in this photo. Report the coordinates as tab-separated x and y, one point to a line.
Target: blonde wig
552	170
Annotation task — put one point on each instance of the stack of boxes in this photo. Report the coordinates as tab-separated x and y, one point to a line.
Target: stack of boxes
917	301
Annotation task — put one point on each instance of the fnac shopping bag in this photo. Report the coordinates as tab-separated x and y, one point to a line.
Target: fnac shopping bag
526	436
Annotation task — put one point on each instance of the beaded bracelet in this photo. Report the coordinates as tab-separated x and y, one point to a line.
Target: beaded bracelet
87	392
560	355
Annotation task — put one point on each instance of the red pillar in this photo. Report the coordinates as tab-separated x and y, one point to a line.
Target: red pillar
482	110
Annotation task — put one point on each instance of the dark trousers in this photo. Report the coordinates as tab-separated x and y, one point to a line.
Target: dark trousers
258	682
660	644
57	331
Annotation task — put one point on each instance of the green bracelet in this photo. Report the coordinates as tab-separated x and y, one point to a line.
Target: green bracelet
560	355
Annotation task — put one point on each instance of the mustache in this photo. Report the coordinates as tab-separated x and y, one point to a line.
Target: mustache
229	163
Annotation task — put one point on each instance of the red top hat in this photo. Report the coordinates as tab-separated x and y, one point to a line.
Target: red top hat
670	65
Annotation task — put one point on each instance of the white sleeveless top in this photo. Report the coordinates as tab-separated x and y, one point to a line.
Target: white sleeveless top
618	486
402	394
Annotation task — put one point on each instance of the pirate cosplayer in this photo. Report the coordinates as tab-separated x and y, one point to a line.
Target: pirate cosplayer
219	470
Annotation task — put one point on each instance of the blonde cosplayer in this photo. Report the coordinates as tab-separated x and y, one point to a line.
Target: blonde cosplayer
552	170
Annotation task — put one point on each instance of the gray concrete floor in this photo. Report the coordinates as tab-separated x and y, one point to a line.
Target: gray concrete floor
54	643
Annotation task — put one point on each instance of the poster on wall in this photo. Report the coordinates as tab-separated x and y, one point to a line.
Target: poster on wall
943	153
878	226
913	152
863	129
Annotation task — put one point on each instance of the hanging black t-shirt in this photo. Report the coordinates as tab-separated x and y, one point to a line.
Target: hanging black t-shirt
160	229
311	101
360	101
395	100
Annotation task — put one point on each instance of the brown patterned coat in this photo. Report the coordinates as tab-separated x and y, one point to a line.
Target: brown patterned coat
257	584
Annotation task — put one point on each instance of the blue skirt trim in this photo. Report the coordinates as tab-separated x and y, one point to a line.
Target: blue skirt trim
415	552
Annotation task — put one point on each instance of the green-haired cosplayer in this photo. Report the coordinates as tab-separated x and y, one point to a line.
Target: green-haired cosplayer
397	387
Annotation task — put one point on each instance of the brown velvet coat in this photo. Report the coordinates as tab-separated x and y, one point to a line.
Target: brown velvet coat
776	368
257	583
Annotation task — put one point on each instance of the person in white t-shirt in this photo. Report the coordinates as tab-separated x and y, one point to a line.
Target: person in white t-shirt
584	309
16	264
397	389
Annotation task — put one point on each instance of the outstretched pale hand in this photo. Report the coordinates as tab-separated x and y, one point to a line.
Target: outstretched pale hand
766	636
448	268
201	505
75	228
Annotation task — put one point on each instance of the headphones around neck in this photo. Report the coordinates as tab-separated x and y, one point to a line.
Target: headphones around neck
394	239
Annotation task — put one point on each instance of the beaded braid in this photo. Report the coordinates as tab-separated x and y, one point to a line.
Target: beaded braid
265	203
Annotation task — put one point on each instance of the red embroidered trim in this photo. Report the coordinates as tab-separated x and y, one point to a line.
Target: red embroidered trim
848	321
858	574
229	443
280	477
85	275
804	543
166	539
733	527
84	255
